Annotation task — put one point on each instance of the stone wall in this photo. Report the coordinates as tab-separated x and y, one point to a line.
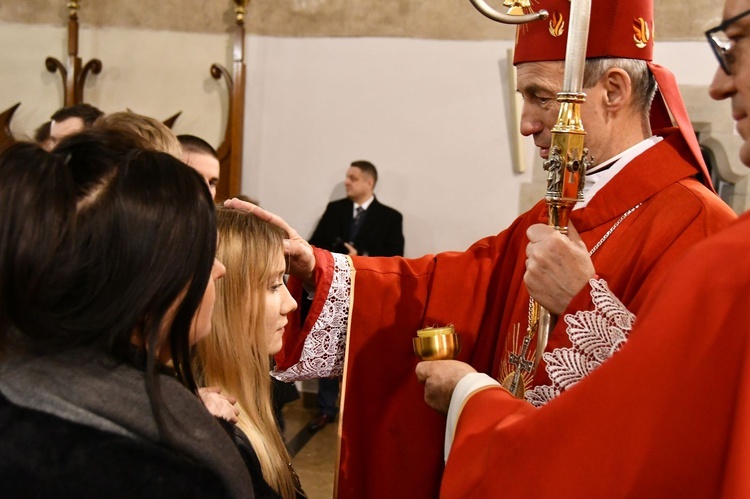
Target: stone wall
430	19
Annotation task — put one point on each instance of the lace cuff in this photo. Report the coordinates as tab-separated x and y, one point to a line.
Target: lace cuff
324	348
595	336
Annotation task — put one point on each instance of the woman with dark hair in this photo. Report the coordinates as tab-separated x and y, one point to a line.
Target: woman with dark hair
107	275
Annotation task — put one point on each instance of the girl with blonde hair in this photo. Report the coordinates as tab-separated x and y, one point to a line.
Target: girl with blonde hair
252	303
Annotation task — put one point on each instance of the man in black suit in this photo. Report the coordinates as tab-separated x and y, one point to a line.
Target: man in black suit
356	225
376	231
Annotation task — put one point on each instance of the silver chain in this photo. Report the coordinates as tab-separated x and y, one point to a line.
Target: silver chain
596	246
612	229
625	215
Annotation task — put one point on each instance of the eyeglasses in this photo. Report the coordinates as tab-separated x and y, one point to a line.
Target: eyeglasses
722	44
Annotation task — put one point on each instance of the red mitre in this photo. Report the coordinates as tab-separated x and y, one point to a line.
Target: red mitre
619	29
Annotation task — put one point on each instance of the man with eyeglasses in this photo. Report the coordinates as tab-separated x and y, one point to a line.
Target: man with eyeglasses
669	414
728	41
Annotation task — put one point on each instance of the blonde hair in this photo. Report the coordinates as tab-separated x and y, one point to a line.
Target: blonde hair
235	356
156	134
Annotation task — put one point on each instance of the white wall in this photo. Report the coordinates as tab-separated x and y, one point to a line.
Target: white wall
431	115
157	73
693	63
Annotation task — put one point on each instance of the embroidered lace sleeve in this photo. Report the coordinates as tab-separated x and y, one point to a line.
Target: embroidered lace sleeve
323	351
595	336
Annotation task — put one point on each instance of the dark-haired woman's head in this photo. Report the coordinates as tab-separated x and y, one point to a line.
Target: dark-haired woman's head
124	249
35	207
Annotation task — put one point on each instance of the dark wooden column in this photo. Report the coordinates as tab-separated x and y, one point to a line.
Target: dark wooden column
230	150
73	74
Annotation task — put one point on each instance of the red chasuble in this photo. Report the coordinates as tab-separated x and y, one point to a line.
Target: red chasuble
666	416
391	441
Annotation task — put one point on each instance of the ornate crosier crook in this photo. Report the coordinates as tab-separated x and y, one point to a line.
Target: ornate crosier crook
566	166
515	13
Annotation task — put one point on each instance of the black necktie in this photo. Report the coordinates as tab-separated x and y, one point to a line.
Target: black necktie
356	223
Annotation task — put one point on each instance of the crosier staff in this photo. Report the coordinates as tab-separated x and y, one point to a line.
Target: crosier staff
566	170
568	158
441	343
566	165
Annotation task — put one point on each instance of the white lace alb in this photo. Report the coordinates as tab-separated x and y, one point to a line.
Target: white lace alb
324	348
595	336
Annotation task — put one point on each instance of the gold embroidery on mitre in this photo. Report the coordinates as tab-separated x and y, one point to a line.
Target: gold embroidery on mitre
525	9
517	7
642	34
556	25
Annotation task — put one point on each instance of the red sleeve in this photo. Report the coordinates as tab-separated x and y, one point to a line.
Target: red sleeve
387	429
295	333
667	416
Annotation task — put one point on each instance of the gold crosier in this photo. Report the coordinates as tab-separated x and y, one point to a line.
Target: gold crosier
435	343
519	12
566	167
566	170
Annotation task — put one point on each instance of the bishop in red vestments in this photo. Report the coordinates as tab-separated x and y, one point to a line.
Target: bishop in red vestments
648	201
669	414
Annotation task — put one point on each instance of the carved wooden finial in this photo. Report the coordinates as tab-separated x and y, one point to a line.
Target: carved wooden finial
73	74
72	6
240	9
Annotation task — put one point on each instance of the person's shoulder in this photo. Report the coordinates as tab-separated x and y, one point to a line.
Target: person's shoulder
335	209
721	258
385	208
693	191
82	461
734	240
339	204
261	488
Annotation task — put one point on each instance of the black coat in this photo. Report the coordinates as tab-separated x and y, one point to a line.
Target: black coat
261	488
381	233
43	456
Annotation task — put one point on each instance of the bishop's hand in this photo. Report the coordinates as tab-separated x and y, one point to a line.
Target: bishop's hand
557	266
440	378
301	256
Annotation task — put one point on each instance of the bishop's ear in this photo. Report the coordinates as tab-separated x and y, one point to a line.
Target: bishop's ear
618	88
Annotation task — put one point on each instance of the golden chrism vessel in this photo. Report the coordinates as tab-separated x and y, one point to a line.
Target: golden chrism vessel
437	343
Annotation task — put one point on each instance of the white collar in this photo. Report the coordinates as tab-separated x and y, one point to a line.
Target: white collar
364	205
598	176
